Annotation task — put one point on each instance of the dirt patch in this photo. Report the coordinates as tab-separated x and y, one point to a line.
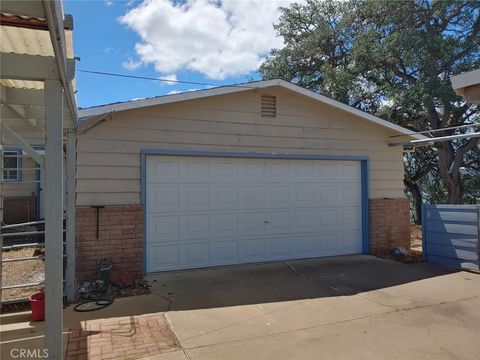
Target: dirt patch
414	254
416	238
22	272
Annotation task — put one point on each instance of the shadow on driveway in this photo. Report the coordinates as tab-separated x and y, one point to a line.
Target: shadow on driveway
284	281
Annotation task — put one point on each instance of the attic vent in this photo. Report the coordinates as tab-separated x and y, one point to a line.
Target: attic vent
269	106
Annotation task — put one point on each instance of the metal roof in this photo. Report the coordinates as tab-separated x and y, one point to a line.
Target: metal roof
22	34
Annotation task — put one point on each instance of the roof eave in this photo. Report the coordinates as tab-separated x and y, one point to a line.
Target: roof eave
223	90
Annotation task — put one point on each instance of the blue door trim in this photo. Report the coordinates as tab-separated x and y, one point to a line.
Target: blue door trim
365	171
364	168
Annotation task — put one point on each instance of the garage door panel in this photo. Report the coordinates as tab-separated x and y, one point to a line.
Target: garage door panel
349	219
197	254
278	222
252	250
279	247
223	170
164	257
251	196
163	169
251	171
164	227
304	195
327	195
226	224
278	196
252	223
350	243
303	171
226	252
217	211
348	195
326	218
195	225
163	198
327	244
327	172
276	171
304	221
195	170
195	197
225	196
304	246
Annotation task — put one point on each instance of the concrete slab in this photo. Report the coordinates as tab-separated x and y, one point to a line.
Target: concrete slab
424	333
282	309
345	307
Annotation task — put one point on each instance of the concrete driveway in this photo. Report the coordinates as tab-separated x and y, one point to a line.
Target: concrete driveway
352	307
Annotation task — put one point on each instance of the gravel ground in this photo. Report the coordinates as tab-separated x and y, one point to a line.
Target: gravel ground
21	272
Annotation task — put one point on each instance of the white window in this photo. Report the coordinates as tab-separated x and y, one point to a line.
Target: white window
12	163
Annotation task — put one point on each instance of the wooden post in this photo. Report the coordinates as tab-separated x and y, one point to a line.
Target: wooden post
54	218
71	168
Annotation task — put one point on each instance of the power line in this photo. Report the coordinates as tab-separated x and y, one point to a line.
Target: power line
159	79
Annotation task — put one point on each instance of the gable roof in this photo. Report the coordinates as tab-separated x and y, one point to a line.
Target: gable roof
229	89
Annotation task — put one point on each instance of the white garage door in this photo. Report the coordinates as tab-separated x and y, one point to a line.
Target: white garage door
210	211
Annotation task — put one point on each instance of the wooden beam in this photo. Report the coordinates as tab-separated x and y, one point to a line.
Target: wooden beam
29	8
24	96
32	23
66	69
28	67
54	219
71	167
12	135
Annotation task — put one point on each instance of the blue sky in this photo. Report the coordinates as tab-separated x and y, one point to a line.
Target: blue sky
193	40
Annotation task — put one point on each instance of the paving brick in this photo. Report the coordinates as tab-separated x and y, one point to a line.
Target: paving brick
137	338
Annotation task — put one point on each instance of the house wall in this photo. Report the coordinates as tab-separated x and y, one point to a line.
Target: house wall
108	158
109	161
19	196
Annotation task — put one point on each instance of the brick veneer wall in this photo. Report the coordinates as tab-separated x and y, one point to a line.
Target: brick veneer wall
120	239
19	209
389	224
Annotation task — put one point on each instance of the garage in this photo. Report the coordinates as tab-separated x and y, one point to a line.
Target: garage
263	171
211	211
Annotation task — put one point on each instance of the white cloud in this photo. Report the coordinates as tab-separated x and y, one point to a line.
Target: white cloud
108	50
131	64
216	38
171	77
173	92
108	2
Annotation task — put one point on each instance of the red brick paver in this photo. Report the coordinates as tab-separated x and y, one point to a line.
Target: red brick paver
124	338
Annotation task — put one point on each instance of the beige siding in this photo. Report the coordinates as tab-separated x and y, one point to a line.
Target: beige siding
25	187
109	155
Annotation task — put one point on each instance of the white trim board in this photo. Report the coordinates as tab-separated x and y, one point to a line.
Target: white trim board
465	79
168	99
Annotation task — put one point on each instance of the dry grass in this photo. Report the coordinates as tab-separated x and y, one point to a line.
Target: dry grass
21	272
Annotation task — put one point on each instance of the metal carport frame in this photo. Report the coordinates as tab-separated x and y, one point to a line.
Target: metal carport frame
36	80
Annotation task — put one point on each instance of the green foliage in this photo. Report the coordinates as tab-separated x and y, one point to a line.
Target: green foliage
393	59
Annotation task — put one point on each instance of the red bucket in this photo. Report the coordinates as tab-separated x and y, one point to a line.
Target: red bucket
37	303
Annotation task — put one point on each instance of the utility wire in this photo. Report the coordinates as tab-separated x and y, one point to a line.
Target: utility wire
159	79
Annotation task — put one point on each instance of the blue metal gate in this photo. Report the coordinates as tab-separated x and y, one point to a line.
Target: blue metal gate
450	235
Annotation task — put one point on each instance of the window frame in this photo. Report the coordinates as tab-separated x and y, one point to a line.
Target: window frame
18	152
